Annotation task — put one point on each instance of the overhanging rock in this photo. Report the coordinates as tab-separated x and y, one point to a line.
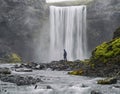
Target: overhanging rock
67	2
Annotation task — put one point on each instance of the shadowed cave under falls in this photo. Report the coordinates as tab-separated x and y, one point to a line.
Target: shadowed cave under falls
68	31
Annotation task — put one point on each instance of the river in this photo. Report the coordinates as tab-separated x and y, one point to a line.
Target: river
57	82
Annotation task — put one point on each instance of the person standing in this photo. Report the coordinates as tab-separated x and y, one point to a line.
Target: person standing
65	55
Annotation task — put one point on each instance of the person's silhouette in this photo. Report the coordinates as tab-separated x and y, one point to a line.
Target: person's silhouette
65	55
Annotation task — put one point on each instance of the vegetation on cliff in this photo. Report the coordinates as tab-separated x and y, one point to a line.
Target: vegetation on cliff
105	60
11	58
107	81
14	58
107	50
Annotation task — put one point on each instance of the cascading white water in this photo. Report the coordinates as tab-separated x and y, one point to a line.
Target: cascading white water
59	81
68	31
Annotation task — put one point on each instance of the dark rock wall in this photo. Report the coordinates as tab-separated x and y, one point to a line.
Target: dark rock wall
22	22
103	19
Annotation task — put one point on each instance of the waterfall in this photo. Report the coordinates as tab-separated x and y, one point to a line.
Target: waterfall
68	31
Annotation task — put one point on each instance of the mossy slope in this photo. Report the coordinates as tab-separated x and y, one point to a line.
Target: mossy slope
107	50
105	61
11	58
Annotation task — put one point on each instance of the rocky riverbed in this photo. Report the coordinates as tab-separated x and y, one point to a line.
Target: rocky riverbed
84	68
54	82
7	73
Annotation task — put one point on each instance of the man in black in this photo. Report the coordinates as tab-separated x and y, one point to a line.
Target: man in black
65	55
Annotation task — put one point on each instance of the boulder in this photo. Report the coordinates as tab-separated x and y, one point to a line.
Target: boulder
17	66
20	80
107	81
66	66
48	87
117	86
95	92
42	66
76	72
5	71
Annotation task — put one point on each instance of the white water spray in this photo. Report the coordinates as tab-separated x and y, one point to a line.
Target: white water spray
68	31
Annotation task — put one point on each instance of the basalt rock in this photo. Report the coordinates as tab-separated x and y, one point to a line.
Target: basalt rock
20	80
5	71
33	65
65	65
20	22
107	81
117	33
95	92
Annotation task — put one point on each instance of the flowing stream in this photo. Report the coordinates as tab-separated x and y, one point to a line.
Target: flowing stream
58	82
68	31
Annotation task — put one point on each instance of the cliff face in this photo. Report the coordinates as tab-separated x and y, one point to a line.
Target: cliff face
68	2
103	18
20	20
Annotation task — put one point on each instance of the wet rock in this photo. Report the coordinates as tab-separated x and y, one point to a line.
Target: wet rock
83	85
95	92
38	80
42	66
117	86
107	81
65	66
76	72
31	65
21	66
20	80
49	87
17	66
117	33
35	87
38	67
5	71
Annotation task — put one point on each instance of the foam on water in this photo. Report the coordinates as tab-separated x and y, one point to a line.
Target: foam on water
60	83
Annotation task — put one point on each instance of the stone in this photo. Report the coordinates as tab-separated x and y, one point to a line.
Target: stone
117	86
49	87
95	92
38	66
111	80
5	71
35	87
83	85
117	33
20	80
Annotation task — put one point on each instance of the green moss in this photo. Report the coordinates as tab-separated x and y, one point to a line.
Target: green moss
13	58
107	81
87	62
106	51
92	66
76	72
